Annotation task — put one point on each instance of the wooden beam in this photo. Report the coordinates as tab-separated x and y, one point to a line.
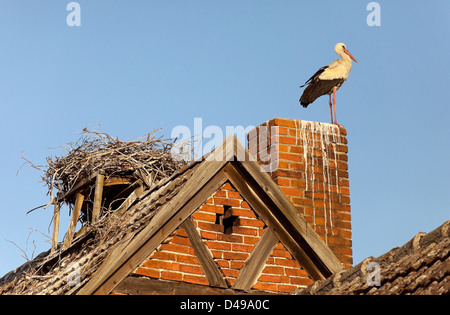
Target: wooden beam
147	286
256	262
112	181
96	212
73	220
204	255
137	193
56	214
77	187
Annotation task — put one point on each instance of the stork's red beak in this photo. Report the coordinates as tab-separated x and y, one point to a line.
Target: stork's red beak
350	55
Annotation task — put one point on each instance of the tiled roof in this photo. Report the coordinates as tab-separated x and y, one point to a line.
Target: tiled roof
421	266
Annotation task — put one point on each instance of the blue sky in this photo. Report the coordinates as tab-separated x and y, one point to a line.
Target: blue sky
135	65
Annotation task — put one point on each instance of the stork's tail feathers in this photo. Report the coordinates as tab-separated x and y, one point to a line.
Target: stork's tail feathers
308	96
303	103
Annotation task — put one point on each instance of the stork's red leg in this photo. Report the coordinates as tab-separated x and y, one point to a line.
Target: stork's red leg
334	105
331	109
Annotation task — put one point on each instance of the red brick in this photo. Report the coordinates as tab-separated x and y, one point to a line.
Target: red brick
163	255
188	259
281	253
230	272
210	227
236	264
226	202
208	235
286	262
191	269
224	263
195	279
265	286
273	270
242	230
227	186
236	256
302	281
296	272
180	240
212	208
204	216
230	238
175	248
283	181
292	192
250	222
291	157
152	273
250	240
284	122
234	194
287	140
218	245
171	275
242	248
269	278
157	264
242	213
220	193
245	205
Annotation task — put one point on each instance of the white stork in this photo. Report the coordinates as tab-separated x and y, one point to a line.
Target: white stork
328	79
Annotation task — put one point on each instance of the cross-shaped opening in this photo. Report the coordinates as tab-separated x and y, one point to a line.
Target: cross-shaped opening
227	220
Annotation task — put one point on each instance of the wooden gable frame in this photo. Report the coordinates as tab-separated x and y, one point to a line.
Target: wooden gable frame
229	162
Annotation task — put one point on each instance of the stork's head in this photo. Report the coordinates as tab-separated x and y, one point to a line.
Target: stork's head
342	51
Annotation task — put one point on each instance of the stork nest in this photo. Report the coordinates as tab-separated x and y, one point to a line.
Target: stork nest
146	157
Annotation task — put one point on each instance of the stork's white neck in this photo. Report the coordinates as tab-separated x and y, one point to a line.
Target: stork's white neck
346	60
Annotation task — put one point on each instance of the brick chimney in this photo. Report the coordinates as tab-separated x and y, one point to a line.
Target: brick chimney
308	161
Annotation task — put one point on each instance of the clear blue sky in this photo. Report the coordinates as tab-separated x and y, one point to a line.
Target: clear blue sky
135	65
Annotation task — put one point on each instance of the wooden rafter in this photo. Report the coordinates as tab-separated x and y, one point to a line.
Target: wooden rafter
212	272
56	215
96	212
256	261
73	220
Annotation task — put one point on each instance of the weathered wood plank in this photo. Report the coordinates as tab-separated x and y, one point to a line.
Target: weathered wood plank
73	220
96	212
137	193
77	187
56	214
256	262
212	271
146	286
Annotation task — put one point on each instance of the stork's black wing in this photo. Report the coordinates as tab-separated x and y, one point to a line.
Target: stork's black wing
315	76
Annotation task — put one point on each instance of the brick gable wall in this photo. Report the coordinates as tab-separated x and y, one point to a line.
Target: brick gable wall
230	229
